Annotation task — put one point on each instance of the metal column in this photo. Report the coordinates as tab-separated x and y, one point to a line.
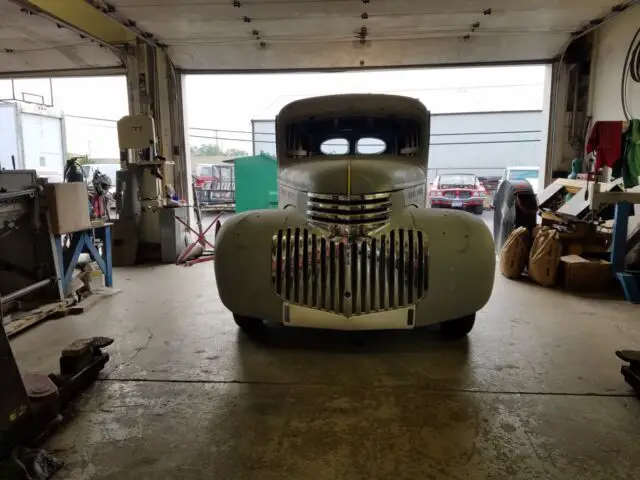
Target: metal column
155	88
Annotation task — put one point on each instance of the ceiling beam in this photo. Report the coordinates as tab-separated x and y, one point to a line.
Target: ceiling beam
82	18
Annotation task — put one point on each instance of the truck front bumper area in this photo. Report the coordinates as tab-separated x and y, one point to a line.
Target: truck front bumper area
396	319
463	203
461	268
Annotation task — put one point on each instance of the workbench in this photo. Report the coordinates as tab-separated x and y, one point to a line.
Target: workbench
84	241
629	279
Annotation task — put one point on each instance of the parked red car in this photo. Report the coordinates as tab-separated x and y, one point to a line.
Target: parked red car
457	190
216	173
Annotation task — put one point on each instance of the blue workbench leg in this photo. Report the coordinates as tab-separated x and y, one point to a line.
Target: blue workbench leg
77	244
619	237
108	274
60	254
631	285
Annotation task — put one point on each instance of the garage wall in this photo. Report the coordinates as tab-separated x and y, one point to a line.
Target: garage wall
612	42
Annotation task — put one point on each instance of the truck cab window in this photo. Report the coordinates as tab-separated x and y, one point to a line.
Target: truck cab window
335	146
370	146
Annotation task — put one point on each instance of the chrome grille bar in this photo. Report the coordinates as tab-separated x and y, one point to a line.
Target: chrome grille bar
349	210
350	277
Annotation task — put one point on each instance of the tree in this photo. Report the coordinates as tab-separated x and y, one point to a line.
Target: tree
212	150
235	152
207	150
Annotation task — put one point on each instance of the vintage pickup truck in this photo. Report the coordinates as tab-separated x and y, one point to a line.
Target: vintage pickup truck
353	246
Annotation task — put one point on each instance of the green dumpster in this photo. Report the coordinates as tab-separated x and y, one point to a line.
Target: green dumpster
256	179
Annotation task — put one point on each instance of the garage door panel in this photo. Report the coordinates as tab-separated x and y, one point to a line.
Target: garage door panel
209	35
216	35
62	58
217	22
33	43
321	54
154	10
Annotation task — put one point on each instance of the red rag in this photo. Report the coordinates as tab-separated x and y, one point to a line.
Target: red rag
606	140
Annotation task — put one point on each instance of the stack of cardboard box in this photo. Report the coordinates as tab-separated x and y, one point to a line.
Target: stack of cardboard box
566	252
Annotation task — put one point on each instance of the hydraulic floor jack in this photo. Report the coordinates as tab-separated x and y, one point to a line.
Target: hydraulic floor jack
631	372
31	404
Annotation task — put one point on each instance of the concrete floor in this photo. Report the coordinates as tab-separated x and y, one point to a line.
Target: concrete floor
534	393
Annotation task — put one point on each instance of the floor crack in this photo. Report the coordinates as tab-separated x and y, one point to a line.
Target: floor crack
332	385
136	352
139	349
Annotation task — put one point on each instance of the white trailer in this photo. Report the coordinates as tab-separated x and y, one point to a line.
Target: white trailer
32	137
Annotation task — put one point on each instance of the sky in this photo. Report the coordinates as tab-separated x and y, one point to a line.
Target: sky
230	102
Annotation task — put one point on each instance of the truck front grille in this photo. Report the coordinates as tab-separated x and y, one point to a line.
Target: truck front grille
350	277
349	210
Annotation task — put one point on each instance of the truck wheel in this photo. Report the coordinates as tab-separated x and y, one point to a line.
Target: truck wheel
478	210
458	327
249	325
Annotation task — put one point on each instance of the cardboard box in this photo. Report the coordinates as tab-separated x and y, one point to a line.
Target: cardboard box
568	229
585	275
68	205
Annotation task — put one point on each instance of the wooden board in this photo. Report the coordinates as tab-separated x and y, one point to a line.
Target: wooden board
92	300
22	321
574	186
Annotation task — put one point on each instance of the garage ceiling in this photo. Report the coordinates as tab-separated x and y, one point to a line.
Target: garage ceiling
210	35
31	43
290	34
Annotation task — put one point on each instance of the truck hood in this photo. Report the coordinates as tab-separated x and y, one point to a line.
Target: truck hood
357	176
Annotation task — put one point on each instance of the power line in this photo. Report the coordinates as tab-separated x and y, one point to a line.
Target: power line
91	118
505	132
254	134
372	145
248	132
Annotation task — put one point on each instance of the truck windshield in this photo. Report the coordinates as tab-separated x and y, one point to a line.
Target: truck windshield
457	181
522	174
354	135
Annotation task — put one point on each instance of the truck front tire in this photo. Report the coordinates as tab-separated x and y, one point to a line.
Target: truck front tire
458	327
249	325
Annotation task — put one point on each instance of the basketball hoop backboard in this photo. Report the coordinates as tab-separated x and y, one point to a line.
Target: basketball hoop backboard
37	91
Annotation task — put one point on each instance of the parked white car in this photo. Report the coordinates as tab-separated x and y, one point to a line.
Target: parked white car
530	174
